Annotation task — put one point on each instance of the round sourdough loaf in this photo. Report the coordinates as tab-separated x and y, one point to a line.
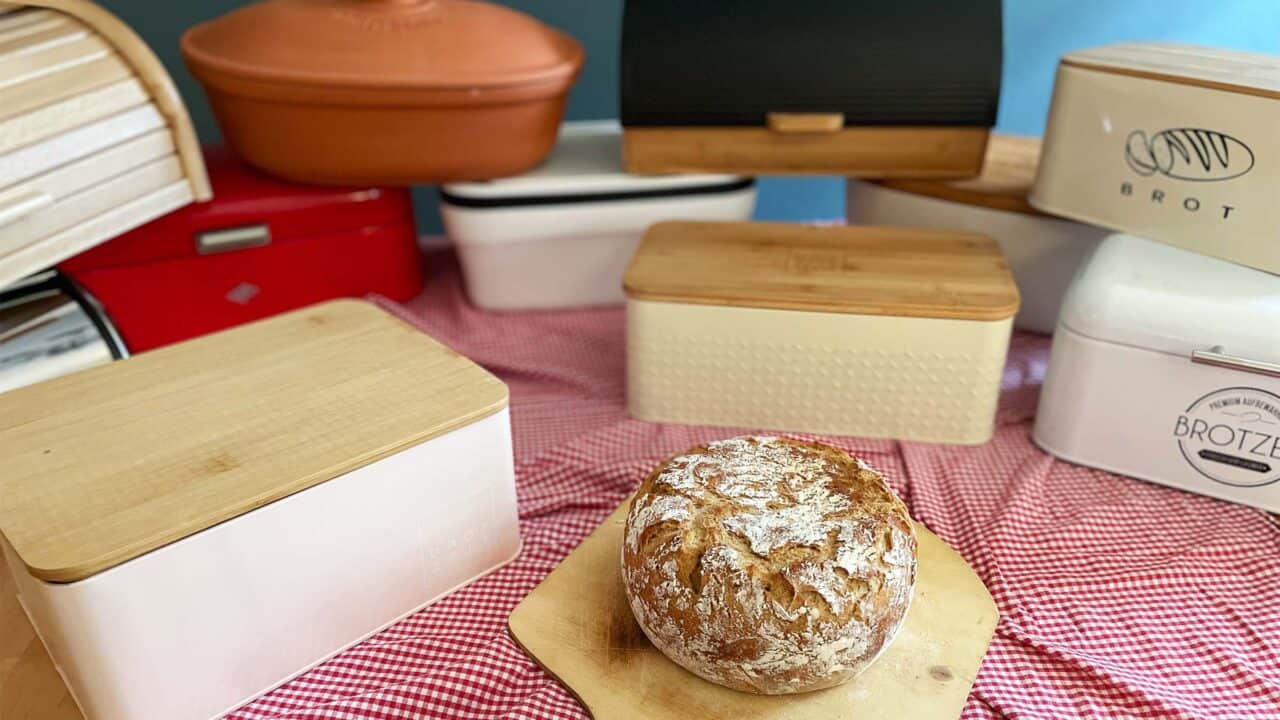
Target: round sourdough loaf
769	565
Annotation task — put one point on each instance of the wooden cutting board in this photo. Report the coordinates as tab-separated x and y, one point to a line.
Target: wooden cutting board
577	624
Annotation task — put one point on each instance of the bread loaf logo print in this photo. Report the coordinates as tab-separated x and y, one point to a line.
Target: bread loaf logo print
1190	154
1232	436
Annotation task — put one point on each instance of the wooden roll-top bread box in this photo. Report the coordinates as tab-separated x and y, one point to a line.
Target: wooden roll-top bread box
94	139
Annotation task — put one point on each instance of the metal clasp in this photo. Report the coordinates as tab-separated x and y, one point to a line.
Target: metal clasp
1218	357
238	238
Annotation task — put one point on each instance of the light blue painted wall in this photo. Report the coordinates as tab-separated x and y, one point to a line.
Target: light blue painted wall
1037	32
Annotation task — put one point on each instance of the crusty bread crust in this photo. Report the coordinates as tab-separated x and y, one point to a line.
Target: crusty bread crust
769	565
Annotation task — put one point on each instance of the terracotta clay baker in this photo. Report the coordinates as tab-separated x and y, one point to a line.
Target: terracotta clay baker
385	92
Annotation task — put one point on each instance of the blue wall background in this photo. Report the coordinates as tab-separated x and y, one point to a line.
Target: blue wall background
1037	32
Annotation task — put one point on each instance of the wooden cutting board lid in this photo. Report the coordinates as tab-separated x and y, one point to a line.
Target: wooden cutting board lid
1235	71
1007	175
906	272
105	465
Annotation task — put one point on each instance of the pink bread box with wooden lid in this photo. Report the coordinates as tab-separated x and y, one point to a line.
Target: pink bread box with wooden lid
190	527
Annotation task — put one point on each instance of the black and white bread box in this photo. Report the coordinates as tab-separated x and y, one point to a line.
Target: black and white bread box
821	87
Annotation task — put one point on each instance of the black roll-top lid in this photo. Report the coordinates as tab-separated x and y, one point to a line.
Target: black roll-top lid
888	62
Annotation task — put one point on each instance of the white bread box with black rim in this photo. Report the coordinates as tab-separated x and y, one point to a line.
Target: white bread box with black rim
562	234
1170	142
1166	367
192	526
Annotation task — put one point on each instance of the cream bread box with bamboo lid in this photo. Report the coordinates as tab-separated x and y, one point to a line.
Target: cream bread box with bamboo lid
562	234
1043	251
94	139
242	506
1174	143
876	332
1166	367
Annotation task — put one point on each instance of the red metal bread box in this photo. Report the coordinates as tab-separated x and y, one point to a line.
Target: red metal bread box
260	247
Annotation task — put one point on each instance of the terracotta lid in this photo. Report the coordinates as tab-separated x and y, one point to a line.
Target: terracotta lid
104	465
905	272
391	44
1007	175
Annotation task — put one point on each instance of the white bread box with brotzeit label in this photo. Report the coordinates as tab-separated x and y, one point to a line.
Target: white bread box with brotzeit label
1043	251
1174	143
1166	367
876	332
190	527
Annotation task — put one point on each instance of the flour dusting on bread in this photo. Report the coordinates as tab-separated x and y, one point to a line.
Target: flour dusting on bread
769	565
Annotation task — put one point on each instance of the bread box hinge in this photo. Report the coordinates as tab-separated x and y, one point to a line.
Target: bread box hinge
1217	357
795	123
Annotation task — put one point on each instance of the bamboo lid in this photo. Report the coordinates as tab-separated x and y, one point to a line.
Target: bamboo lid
1234	71
1004	184
860	270
108	464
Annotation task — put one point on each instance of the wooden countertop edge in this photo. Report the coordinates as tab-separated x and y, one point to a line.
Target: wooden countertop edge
1007	177
934	190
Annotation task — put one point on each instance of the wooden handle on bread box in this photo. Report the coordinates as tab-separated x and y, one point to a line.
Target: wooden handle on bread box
795	123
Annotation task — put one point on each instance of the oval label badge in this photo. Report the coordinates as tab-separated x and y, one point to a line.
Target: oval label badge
1191	154
1232	436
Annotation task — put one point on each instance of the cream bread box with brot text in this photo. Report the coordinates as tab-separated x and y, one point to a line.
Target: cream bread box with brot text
1175	143
876	332
1043	251
562	234
245	505
1166	367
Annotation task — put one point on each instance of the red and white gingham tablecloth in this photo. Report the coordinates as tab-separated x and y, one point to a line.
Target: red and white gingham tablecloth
1118	598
